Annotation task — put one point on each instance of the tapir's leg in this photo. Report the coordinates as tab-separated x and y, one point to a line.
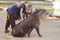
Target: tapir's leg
37	29
29	32
17	32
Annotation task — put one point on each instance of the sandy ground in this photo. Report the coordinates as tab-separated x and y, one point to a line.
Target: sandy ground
49	29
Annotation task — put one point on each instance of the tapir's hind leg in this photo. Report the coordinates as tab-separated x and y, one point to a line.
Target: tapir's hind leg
17	32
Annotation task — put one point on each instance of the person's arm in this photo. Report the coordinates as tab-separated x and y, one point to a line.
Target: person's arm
21	13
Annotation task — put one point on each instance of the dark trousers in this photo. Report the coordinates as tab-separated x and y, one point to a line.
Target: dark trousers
10	21
26	15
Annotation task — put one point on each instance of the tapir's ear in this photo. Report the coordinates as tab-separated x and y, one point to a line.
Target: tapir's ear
41	11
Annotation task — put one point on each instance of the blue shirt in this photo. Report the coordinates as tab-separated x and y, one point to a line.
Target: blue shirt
15	11
24	7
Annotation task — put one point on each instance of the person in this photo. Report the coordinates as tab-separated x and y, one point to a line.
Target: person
14	13
28	10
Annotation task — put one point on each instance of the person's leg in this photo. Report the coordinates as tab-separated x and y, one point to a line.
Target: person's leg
12	21
26	15
7	23
29	14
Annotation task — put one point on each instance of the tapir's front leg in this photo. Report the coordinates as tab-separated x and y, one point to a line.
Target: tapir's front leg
37	29
29	32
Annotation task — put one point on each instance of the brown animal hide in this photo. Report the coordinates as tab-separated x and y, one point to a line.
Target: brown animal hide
27	25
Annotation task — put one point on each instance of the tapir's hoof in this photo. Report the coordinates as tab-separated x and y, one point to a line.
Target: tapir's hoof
40	35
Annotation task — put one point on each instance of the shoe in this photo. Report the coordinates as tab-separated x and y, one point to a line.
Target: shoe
6	31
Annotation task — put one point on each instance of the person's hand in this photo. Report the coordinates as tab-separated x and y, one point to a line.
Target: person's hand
19	18
22	19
